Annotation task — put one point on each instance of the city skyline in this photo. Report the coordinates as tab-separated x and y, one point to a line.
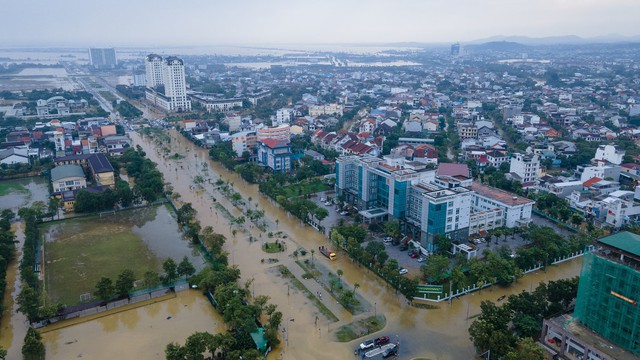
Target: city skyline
251	22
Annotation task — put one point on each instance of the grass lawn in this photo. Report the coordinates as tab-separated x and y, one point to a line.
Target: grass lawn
75	261
7	188
107	95
307	187
272	247
360	328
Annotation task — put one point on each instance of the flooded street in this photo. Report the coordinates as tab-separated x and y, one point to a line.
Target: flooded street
143	332
439	334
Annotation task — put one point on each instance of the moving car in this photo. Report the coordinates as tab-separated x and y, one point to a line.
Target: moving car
403	271
367	344
382	340
390	352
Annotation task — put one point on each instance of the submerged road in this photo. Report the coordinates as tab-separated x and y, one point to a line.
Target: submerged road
438	334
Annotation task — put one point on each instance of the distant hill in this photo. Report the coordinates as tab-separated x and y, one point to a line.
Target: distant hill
555	40
498	46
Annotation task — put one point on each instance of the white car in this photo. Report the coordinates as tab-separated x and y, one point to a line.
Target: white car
387	239
403	271
343	213
367	344
323	199
421	259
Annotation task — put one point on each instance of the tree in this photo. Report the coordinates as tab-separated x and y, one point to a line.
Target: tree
28	301
3	353
490	330
170	270
526	349
339	272
313	251
124	283
392	228
151	279
185	268
435	268
104	288
33	348
443	243
355	287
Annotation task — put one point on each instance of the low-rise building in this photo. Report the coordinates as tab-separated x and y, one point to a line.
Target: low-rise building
275	155
67	178
516	210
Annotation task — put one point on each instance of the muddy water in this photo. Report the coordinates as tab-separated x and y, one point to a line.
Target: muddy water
440	334
140	333
14	325
35	189
437	334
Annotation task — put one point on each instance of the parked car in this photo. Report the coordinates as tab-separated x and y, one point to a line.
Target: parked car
388	239
414	255
403	271
323	199
367	344
390	352
343	213
382	340
421	259
403	248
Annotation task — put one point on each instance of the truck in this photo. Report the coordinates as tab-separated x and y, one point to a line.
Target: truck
328	253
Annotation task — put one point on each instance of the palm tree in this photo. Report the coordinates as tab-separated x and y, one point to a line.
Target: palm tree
277	223
355	287
340	273
313	251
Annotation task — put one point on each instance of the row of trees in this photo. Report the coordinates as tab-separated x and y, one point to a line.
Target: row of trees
242	317
106	289
122	195
374	256
126	109
149	184
300	207
7	249
507	330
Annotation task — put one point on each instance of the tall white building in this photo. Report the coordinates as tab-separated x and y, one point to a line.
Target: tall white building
168	72
525	166
175	87
283	116
153	67
103	58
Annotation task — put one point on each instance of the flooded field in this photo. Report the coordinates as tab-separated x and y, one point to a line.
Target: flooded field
22	192
139	333
79	252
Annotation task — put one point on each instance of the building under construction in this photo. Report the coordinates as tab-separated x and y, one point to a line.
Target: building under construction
609	290
607	304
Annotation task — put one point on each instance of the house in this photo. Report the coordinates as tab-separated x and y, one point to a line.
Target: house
610	153
97	164
67	178
275	154
12	156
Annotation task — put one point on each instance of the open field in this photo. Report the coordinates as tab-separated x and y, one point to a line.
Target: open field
7	188
78	252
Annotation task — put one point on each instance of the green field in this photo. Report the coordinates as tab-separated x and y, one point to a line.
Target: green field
75	261
107	95
304	188
7	188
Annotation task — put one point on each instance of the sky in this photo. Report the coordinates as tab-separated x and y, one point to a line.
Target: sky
121	23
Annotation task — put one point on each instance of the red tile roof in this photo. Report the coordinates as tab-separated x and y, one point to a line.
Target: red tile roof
591	181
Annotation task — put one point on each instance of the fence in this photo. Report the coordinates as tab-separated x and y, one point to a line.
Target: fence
557	221
100	213
93	308
472	288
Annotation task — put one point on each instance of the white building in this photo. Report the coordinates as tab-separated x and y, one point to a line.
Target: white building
602	172
170	73
283	116
281	132
153	67
525	167
610	153
328	109
516	210
175	86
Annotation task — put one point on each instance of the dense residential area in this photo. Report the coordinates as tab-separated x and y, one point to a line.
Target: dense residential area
500	179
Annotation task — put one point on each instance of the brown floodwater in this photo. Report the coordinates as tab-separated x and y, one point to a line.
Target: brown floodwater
144	332
138	333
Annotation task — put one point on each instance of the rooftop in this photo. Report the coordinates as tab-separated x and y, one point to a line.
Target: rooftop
502	196
625	241
66	171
